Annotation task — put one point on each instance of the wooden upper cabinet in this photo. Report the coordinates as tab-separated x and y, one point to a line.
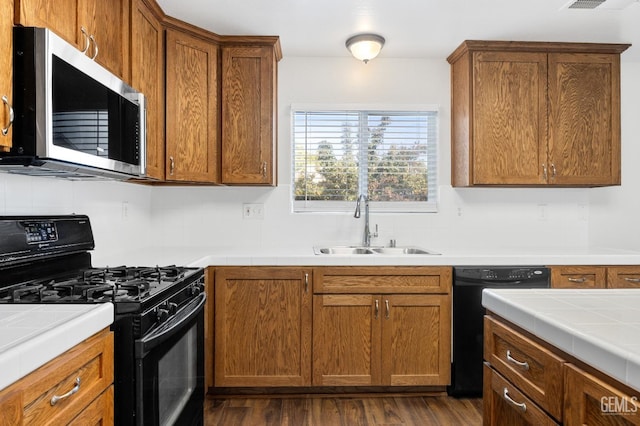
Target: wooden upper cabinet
584	118
531	113
249	94
101	27
192	142
147	76
60	16
6	72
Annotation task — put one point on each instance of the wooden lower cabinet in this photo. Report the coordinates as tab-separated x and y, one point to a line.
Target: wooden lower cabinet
28	401
537	384
262	326
389	340
504	404
588	276
623	277
578	276
591	401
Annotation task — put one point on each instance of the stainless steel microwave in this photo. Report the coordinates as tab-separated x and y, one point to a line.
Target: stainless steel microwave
73	118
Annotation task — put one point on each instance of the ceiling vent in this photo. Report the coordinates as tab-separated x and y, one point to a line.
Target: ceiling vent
599	4
585	4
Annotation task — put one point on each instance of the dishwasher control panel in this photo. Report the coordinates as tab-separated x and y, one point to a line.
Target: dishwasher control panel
503	273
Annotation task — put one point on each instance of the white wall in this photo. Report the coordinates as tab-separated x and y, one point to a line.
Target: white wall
479	217
614	219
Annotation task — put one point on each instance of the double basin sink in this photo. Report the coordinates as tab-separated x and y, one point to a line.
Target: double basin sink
353	250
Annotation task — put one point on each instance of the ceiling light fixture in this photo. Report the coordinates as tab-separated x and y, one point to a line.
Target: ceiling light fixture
365	46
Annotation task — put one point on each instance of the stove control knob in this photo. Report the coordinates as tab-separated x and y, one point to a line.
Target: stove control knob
194	290
172	307
162	314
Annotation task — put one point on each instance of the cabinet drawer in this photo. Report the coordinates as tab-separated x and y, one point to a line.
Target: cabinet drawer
578	277
504	404
532	368
623	277
90	361
381	280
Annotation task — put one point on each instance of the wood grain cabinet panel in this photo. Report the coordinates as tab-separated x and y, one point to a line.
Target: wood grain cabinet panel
249	109
532	114
6	72
87	366
147	76
505	405
192	142
262	326
398	336
623	277
590	401
106	22
533	369
578	276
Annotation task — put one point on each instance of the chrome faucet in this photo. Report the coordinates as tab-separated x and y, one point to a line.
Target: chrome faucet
366	238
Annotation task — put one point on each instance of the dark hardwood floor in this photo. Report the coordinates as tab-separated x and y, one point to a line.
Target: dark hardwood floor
342	411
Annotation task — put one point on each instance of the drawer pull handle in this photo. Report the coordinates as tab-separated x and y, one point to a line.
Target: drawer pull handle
522	364
306	282
377	309
577	280
387	308
632	280
520	405
76	388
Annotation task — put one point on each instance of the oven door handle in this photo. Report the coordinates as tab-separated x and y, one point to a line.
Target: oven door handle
168	329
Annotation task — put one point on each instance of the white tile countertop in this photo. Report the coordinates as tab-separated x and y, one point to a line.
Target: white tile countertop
32	335
600	327
284	256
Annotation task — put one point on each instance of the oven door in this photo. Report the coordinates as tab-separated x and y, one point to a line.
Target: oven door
170	369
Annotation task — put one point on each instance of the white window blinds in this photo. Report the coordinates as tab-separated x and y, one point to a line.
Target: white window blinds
390	156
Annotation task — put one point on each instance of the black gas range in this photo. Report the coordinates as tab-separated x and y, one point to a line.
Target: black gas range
159	313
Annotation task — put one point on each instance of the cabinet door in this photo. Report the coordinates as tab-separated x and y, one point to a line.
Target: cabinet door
6	72
346	340
61	16
147	75
584	119
578	277
623	277
192	105
509	118
248	115
416	340
590	401
99	412
262	327
108	23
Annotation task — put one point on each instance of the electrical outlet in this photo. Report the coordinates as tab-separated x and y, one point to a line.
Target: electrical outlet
125	209
253	211
542	212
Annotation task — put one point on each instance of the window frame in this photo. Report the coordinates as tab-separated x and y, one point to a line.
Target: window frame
326	206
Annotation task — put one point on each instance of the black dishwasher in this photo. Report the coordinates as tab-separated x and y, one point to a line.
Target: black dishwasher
468	283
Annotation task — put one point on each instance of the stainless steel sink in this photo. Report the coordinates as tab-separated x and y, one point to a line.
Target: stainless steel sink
342	250
402	250
357	250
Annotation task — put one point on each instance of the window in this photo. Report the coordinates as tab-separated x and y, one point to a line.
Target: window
389	156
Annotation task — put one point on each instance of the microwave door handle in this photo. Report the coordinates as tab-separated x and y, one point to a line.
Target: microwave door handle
144	345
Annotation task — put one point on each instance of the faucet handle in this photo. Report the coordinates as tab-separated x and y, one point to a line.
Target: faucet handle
375	233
